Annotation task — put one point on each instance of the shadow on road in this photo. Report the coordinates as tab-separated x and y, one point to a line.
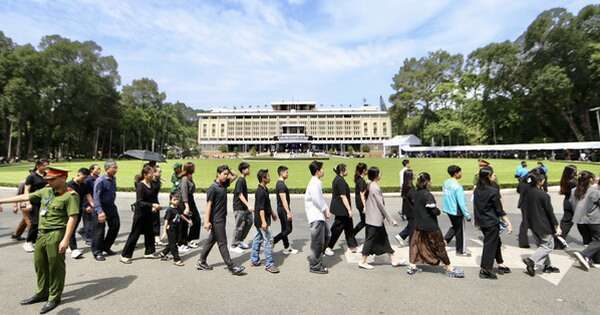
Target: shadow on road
96	289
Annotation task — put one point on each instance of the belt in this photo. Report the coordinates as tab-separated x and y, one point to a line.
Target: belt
45	231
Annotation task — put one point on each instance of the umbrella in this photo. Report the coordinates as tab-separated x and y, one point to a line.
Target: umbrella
145	155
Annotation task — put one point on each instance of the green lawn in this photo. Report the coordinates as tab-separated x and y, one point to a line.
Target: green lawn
299	174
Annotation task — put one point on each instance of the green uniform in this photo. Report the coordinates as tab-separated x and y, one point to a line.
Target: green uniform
175	180
49	264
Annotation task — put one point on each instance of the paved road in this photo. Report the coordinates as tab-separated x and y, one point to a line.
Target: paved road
153	287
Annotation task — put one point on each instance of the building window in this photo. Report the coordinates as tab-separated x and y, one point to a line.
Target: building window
366	128
222	129
384	128
374	128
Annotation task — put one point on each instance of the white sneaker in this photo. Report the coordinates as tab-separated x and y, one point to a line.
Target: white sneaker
401	242
329	252
151	256
236	249
184	249
365	266
399	262
290	251
76	253
193	244
125	260
29	247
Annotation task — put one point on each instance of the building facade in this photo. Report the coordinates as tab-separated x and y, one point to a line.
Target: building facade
294	127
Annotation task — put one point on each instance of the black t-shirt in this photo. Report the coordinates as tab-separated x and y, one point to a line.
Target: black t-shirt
156	185
408	203
173	215
240	188
262	202
217	194
487	206
80	189
426	217
339	188
361	186
281	187
35	182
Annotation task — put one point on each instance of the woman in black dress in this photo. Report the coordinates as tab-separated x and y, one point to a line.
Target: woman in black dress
144	209
360	189
427	244
491	218
342	209
408	203
568	181
188	188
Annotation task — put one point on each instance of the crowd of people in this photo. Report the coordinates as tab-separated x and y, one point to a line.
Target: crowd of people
53	208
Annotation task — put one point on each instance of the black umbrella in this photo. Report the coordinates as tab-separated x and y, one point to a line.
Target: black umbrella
145	155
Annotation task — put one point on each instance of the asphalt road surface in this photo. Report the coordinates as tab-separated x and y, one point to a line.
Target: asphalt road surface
157	287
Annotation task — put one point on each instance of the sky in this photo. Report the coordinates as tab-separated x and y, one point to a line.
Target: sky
227	53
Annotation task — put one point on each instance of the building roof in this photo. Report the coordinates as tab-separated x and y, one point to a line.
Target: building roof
402	140
511	147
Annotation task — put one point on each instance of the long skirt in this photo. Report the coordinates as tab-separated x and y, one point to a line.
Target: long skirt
428	247
376	241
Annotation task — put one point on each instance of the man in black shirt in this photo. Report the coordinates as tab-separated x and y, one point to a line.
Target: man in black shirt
79	186
262	222
242	210
35	181
283	211
87	231
215	221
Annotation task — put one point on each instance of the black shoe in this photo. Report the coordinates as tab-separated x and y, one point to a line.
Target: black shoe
50	305
99	258
17	237
524	246
110	252
551	269
486	274
503	270
530	266
203	266
34	299
321	271
237	270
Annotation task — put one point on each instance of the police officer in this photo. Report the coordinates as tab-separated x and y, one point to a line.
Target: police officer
59	208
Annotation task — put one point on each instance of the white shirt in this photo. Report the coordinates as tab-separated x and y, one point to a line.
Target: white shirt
314	201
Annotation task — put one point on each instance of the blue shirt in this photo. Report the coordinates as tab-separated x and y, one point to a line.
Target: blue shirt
105	193
521	172
454	198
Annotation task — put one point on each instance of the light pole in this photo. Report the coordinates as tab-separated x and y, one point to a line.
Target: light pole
597	110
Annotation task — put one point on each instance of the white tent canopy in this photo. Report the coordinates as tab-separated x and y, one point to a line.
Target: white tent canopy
510	147
402	142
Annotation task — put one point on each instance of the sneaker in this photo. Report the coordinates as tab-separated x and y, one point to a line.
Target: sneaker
399	262
503	270
320	271
551	269
530	270
562	241
329	252
400	241
99	258
184	249
255	263
464	254
290	251
237	249
411	271
163	256
366	266
584	261
272	269
125	260
456	273
76	254
29	247
178	263
151	256
193	244
203	266
486	274
237	270
244	246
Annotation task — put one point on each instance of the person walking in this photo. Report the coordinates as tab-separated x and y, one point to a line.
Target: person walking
242	210
188	188
106	212
341	207
283	211
568	181
455	206
262	222
585	200
376	240
490	217
316	213
78	185
360	190
146	206
34	182
408	204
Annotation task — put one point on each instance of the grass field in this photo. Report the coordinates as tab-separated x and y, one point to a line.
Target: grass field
299	174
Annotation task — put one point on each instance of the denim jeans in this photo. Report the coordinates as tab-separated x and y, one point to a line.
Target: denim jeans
262	237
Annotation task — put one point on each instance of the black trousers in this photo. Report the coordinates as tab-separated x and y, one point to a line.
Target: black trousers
217	235
156	223
361	225
243	223
456	230
73	241
143	223
32	234
102	241
342	223
194	233
173	237
409	229
492	247
523	228
566	223
286	229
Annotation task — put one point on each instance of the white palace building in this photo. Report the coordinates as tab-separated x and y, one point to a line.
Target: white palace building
294	127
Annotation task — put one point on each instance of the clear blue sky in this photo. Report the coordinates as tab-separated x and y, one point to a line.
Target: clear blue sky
226	53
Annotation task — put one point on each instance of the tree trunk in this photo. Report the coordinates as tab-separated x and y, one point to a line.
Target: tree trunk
110	144
18	148
96	139
569	118
8	154
29	141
